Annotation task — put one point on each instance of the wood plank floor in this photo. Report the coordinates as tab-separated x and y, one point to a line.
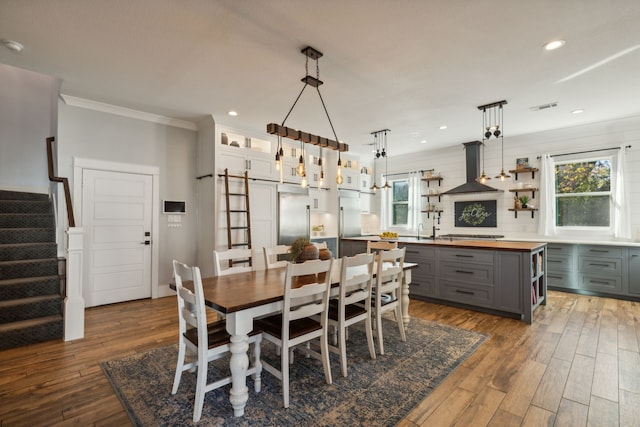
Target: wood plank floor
577	365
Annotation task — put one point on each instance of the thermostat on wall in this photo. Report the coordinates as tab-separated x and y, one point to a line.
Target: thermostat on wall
174	207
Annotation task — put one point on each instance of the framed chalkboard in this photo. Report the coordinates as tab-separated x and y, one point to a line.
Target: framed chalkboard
479	213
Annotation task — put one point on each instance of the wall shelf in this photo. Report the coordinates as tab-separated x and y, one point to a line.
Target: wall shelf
524	190
532	171
516	210
433	178
428	196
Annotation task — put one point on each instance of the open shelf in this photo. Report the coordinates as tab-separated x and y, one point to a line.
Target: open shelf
516	210
532	171
525	190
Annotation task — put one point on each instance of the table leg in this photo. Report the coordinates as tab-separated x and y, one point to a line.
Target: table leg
238	364
238	328
404	298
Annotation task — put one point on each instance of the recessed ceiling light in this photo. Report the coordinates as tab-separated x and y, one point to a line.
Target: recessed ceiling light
13	45
578	111
424	141
555	44
232	113
443	127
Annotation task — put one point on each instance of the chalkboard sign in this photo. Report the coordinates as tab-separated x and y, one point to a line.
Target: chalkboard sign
479	213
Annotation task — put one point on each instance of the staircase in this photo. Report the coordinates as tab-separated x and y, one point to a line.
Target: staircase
30	280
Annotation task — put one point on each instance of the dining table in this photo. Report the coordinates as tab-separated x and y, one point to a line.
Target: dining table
243	297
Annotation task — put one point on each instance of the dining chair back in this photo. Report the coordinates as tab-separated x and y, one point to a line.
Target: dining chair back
231	257
271	256
305	296
378	246
206	341
389	276
353	304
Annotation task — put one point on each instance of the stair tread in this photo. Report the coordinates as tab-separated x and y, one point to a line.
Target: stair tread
26	280
30	323
28	300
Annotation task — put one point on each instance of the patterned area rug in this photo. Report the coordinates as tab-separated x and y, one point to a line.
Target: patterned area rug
375	393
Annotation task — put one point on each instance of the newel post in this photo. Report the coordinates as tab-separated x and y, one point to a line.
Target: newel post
74	301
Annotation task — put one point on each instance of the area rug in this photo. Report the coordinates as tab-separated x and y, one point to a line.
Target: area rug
375	393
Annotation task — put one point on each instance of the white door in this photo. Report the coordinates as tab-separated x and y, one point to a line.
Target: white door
116	217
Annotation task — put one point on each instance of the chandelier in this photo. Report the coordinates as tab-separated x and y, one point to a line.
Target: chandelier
304	137
493	125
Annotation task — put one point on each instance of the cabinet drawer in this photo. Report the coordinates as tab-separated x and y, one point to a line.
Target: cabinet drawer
560	262
425	267
600	266
554	249
560	279
600	251
418	254
467	255
421	285
467	272
601	284
466	293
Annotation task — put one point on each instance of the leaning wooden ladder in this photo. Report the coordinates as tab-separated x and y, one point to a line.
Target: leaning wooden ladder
238	215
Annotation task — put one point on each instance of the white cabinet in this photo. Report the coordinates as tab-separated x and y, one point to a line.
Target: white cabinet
237	153
367	201
319	200
350	173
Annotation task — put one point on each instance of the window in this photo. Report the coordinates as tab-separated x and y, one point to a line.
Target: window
400	202
583	193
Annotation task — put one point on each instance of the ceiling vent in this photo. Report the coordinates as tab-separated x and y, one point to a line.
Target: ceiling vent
544	106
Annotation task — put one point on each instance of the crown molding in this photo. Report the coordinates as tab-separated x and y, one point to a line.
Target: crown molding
126	112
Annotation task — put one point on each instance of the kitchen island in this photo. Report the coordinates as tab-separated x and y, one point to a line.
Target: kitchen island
501	277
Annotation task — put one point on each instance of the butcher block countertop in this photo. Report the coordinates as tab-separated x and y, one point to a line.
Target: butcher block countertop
498	245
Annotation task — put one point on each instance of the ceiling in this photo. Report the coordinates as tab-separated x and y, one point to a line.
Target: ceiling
407	65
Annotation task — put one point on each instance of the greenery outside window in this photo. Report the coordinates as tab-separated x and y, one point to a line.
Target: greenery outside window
583	192
400	202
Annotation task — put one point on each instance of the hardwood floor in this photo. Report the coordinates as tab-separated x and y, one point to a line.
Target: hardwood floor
577	365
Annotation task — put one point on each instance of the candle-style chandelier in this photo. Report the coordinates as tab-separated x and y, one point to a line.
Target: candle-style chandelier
285	132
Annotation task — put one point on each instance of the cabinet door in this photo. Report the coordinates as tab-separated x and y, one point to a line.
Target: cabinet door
510	276
236	162
261	166
319	200
634	271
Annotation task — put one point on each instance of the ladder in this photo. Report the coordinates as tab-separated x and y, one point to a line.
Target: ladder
238	219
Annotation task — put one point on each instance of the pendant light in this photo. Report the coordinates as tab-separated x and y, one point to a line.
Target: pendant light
321	174
385	154
305	137
376	154
500	134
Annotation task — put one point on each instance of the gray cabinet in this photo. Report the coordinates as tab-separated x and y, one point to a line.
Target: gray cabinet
352	247
600	268
634	271
561	266
423	281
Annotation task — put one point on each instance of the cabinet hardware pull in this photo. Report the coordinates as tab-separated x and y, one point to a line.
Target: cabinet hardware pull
598	265
465	292
598	282
464	256
413	252
554	249
463	271
553	260
600	251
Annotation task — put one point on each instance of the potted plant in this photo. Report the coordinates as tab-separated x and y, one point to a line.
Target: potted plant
302	249
523	201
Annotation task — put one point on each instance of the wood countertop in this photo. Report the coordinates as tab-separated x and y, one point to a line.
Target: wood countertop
498	245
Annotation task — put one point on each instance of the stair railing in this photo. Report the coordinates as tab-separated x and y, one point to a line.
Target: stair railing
64	181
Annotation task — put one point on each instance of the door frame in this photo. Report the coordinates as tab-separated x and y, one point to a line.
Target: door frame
80	164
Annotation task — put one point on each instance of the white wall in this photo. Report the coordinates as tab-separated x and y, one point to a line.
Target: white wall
451	162
27	118
92	134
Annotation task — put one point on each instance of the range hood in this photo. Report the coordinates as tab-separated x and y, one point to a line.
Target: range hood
472	153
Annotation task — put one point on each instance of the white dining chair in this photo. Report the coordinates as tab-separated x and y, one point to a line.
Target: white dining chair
380	245
295	326
271	256
353	304
206	341
389	274
222	259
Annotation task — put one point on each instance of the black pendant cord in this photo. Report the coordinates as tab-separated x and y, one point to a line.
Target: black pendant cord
294	104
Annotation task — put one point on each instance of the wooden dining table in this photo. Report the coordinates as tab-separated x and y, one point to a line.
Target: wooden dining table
242	297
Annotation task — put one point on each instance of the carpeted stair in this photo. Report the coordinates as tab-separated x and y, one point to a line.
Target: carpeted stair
30	280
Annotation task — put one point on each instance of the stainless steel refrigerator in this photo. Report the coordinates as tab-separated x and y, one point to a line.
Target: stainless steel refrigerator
293	213
349	222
